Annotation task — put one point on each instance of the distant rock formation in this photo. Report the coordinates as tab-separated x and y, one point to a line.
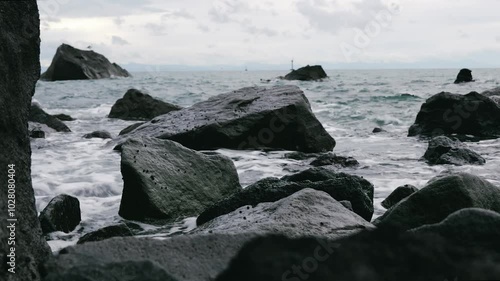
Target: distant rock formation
19	71
464	76
98	135
279	117
136	105
307	73
70	63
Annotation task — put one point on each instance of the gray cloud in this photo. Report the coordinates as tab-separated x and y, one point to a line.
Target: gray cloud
177	14
156	29
116	40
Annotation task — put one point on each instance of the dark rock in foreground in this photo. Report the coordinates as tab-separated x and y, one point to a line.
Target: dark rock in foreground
64	117
19	71
464	76
70	63
119	230
250	118
473	227
441	197
61	214
338	185
307	212
443	150
398	194
332	159
165	181
136	105
99	135
307	73
185	258
38	115
446	114
379	255
131	128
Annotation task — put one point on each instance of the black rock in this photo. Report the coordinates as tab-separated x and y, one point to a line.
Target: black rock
307	212
297	155
37	134
378	130
338	185
136	105
61	214
464	76
250	118
333	159
307	73
447	114
165	181
119	230
99	135
64	117
131	128
443	150
70	63
38	115
398	194
380	255
19	71
441	197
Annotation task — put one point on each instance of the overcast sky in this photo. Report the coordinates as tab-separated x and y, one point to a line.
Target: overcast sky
335	33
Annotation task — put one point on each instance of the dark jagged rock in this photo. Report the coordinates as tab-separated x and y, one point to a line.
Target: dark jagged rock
136	105
447	114
64	117
307	73
19	71
37	134
131	128
340	186
443	150
441	197
126	270
119	230
61	214
380	255
185	258
165	181
38	115
473	227
332	159
250	118
70	63
307	212
99	135
464	76
398	194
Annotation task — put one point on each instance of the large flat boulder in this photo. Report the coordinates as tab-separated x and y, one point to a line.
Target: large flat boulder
38	115
441	197
19	71
307	212
162	180
250	118
70	63
446	114
339	186
184	258
136	105
443	150
307	73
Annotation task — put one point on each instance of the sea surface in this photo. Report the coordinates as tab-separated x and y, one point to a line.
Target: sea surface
349	104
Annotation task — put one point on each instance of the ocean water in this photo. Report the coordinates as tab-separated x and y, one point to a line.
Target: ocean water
349	104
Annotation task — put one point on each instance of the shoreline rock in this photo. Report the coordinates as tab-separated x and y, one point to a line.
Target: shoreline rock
443	150
464	76
38	115
61	214
398	195
307	73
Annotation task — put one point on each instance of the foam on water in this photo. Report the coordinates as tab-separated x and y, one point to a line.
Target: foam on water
349	104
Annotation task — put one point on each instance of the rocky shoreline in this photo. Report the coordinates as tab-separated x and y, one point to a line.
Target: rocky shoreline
311	225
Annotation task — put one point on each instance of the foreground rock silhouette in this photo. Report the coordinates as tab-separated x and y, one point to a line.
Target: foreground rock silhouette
279	117
19	71
307	73
70	63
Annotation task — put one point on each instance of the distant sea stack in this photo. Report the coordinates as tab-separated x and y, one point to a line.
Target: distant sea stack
70	63
307	73
464	76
